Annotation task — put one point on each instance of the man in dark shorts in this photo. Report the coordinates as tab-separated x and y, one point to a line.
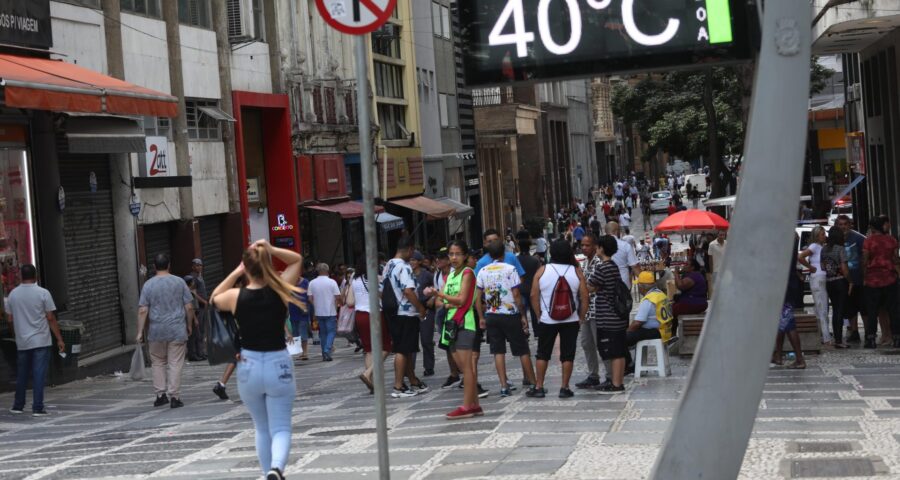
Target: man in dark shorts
404	323
856	304
500	310
611	328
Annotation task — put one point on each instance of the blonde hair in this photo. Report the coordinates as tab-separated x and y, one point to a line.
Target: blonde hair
258	264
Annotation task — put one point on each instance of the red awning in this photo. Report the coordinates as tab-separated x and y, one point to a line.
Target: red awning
432	208
348	209
43	84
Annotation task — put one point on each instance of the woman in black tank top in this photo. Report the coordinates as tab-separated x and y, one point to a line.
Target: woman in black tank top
265	370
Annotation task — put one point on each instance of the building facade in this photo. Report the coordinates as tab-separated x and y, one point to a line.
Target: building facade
867	36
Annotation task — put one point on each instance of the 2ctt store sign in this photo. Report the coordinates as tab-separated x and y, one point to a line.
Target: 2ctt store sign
526	40
25	23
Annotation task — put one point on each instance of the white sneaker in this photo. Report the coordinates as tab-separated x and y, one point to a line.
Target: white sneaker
408	392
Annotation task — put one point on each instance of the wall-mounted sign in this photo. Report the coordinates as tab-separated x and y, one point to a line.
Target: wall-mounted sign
156	158
253	190
281	224
135	208
25	23
526	40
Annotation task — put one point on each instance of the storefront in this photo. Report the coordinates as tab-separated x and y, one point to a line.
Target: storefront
426	220
67	132
266	168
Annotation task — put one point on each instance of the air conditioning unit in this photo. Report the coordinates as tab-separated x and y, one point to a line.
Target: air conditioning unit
240	20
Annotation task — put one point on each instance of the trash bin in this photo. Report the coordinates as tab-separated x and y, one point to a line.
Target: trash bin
71	331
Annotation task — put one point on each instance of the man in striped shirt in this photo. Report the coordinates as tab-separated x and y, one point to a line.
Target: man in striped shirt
611	328
589	262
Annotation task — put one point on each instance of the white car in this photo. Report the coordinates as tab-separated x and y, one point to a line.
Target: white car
659	201
840	208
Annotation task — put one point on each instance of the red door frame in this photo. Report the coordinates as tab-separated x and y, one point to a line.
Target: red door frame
281	189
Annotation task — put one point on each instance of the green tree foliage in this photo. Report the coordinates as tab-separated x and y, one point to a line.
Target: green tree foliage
668	109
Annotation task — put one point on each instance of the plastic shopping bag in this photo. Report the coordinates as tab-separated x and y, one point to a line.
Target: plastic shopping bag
137	364
222	337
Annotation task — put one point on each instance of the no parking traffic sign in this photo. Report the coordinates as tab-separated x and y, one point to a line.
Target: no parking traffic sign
356	17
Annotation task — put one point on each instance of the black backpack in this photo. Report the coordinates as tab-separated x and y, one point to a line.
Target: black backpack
623	302
388	297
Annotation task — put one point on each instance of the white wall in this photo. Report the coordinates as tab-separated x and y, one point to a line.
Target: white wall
199	62
250	69
78	33
210	188
259	224
146	57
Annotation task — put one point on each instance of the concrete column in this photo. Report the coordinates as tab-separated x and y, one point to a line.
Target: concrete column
270	14
223	48
176	81
112	27
51	243
126	241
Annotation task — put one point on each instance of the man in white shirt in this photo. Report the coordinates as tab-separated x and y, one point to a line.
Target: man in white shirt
31	319
325	297
624	258
716	252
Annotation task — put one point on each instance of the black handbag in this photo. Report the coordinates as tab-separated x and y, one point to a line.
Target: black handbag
222	337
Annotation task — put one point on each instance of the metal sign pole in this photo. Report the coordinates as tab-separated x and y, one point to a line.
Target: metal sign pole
367	167
716	413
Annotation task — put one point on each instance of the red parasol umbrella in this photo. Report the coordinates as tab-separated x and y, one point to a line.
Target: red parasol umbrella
692	221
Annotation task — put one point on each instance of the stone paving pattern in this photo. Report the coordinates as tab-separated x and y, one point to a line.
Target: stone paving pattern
839	418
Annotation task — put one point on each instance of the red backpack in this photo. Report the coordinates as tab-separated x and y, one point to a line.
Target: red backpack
562	300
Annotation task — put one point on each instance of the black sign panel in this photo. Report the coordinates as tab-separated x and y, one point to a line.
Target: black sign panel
522	40
25	23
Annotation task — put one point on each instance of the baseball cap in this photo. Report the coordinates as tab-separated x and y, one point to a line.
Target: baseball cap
442	253
417	255
646	278
197	261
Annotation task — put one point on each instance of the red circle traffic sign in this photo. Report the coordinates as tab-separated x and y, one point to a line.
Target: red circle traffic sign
356	17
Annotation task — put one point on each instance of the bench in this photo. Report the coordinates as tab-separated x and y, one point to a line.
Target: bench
690	327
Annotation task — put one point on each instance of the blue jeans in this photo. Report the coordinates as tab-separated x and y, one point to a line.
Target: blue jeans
327	331
300	329
267	388
35	361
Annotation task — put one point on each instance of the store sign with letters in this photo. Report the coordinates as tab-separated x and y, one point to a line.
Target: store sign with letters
156	161
25	23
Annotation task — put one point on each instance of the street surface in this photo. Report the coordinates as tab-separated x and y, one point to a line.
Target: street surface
839	418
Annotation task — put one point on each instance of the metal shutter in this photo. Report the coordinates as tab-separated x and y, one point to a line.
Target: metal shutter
211	251
90	242
157	239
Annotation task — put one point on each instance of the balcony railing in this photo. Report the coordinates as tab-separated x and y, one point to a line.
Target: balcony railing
483	97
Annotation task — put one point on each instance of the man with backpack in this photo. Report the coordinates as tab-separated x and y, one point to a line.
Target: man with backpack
612	305
403	312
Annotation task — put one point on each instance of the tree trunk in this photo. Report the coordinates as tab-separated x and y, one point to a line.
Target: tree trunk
718	175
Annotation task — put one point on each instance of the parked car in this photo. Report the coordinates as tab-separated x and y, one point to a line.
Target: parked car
840	208
659	201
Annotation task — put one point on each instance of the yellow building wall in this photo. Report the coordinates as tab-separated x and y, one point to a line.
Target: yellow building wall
401	158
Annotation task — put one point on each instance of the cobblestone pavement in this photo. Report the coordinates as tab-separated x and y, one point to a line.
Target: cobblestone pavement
839	418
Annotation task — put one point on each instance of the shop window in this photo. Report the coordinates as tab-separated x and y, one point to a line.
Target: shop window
195	13
200	125
16	247
391	118
150	8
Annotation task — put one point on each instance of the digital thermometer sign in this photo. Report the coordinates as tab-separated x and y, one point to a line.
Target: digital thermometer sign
528	40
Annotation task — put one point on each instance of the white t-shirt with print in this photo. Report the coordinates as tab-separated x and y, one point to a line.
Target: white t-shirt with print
401	278
496	282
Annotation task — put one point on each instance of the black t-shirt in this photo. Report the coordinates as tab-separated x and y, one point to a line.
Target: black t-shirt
794	293
260	315
531	266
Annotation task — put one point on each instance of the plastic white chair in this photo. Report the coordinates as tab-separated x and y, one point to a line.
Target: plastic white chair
662	367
